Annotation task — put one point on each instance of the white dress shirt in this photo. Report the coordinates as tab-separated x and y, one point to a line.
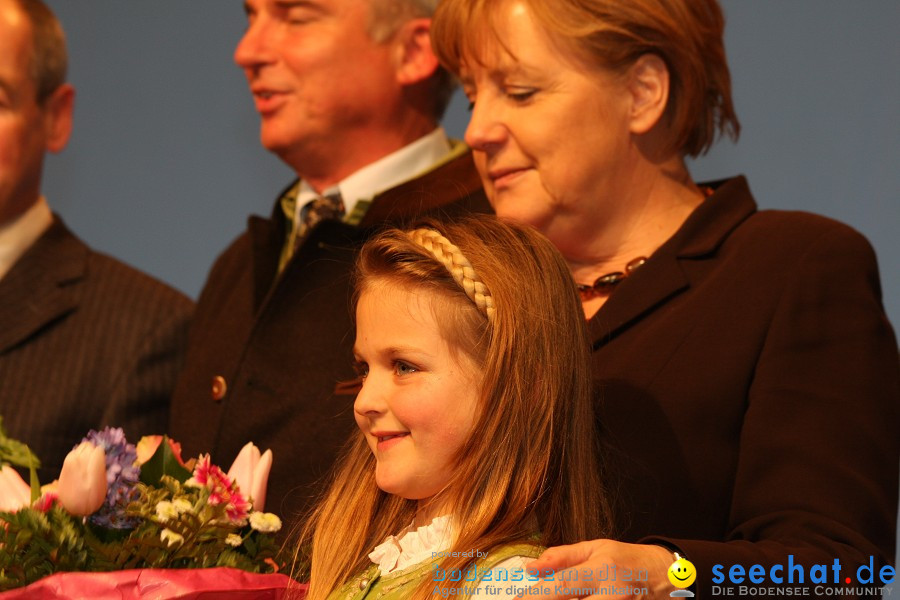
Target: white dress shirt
385	173
17	236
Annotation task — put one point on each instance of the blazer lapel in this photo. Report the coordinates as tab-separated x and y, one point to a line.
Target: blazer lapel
662	277
657	280
266	237
42	286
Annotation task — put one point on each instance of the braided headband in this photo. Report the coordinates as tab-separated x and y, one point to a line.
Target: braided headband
460	268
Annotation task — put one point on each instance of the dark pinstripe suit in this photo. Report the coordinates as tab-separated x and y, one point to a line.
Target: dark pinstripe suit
85	341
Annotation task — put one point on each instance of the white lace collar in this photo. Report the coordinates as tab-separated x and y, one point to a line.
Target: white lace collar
413	545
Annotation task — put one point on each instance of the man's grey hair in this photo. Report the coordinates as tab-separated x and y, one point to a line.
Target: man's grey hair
388	16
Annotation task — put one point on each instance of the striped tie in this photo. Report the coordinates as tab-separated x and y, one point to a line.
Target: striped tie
318	210
314	212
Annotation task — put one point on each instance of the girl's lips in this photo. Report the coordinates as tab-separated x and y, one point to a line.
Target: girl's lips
389	440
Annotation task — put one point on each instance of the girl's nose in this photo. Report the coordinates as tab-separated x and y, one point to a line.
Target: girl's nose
371	398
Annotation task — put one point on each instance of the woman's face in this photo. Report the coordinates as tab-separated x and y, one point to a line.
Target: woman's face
549	130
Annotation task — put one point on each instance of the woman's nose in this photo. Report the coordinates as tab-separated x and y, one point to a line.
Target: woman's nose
486	130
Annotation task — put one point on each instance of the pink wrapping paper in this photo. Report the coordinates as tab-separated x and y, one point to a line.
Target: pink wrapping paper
162	584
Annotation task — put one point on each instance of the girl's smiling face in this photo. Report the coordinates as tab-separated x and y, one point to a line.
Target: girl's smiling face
419	397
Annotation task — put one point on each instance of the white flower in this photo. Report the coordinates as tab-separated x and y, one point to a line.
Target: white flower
165	510
171	538
265	522
82	481
234	539
182	506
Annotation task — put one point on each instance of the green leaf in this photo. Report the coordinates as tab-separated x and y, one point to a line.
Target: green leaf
163	462
15	452
35	484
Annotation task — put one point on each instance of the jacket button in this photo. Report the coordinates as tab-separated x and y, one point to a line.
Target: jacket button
219	387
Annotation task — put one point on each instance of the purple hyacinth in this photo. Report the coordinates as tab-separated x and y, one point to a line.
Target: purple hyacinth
121	478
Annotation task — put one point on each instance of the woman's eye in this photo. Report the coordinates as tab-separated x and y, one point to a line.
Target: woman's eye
361	368
402	368
521	95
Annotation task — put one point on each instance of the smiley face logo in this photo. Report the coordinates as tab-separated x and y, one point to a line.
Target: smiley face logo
682	572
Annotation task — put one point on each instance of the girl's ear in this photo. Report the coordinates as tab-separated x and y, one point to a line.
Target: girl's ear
648	84
415	61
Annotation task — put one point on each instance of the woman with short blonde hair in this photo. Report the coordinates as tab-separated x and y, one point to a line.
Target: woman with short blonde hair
747	376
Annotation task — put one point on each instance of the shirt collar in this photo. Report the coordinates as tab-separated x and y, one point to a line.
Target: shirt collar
17	236
383	174
413	545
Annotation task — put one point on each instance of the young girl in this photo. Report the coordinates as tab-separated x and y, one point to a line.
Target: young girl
477	446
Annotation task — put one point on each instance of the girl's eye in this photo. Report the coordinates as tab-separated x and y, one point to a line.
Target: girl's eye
401	368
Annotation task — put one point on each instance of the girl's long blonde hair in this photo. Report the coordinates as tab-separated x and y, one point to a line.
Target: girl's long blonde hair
530	469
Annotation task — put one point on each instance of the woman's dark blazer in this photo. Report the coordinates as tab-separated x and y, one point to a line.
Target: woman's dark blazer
749	384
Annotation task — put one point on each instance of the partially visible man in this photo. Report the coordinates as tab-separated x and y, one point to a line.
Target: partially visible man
350	95
85	341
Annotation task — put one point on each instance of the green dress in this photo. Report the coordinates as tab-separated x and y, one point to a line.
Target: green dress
401	584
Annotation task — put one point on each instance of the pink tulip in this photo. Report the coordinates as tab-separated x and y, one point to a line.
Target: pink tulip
82	481
14	492
251	472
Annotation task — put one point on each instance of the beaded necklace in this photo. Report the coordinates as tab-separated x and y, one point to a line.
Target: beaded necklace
605	284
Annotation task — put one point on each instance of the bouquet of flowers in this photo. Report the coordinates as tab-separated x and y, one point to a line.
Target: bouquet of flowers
118	506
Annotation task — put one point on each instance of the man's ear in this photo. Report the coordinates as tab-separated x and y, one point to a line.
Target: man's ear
415	61
648	84
58	109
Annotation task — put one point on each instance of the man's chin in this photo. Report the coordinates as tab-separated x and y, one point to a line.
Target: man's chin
278	145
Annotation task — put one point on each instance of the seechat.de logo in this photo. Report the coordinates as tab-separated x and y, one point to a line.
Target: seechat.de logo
799	580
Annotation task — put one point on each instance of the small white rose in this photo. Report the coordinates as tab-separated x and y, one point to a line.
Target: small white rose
171	538
265	522
234	539
165	511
